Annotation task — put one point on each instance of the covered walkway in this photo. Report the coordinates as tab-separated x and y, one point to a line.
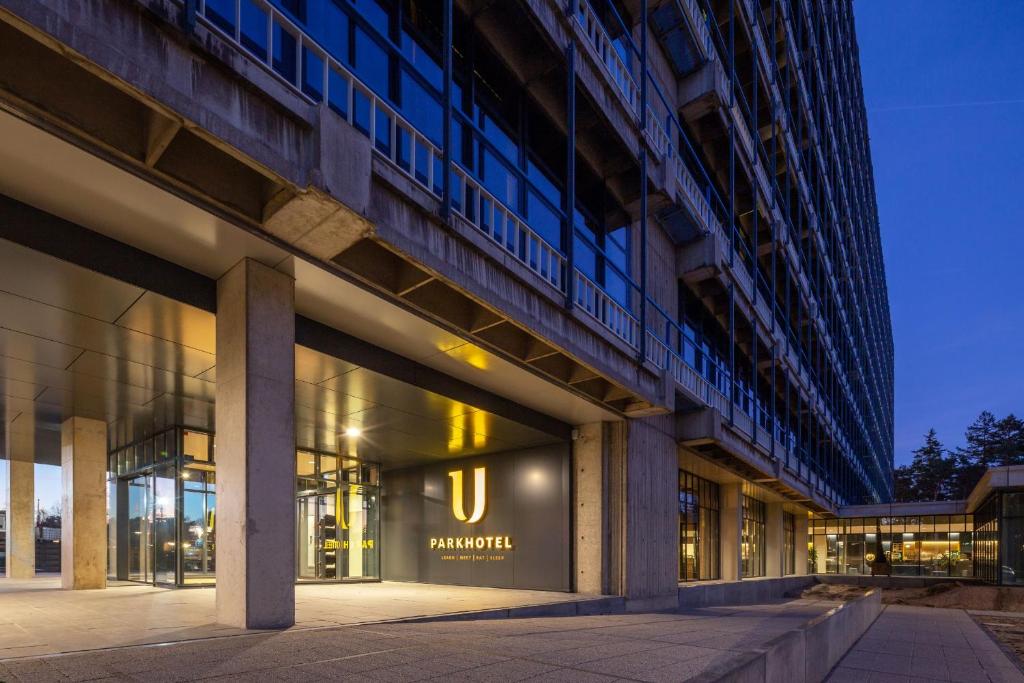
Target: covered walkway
38	618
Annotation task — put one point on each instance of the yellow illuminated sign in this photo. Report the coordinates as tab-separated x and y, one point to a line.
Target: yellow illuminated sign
471	543
479	495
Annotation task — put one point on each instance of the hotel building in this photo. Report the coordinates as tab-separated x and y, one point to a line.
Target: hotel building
574	295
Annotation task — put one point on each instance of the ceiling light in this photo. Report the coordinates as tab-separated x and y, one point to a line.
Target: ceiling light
353	432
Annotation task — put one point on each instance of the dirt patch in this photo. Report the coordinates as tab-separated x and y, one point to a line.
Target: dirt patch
1009	630
958	595
834	591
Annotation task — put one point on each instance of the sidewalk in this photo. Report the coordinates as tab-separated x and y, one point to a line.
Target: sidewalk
638	647
918	644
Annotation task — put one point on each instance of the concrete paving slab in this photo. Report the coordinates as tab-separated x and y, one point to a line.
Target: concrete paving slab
38	618
925	644
635	646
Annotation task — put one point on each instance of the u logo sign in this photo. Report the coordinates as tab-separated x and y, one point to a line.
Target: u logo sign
479	495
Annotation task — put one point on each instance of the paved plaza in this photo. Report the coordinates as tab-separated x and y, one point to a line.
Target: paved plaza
38	618
920	644
642	647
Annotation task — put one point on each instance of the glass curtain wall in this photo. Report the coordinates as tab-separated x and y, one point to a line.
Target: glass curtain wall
752	548
338	518
929	545
986	541
160	509
1012	536
698	528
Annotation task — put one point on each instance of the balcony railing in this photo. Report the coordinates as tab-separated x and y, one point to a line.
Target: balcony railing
618	72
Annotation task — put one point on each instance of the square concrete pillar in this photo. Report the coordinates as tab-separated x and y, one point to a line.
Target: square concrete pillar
83	530
801	538
773	541
21	509
643	514
589	507
255	447
731	531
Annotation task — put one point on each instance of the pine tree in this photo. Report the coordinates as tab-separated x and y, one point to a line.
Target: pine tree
904	490
931	469
1010	435
983	441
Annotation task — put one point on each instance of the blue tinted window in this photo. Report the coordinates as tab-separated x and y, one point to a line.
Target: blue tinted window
371	64
422	110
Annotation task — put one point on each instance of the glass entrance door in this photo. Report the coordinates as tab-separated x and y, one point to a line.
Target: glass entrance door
318	538
140	528
337	535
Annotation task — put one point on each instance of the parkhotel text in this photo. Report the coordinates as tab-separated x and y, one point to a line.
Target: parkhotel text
471	543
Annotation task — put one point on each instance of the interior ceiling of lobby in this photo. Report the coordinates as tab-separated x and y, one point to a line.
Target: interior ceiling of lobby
76	342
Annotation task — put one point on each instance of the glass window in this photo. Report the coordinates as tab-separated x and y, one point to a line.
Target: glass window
196	445
164	525
698	528
1012	537
788	543
752	545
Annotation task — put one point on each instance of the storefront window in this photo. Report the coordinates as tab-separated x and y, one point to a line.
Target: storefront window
698	528
752	550
930	545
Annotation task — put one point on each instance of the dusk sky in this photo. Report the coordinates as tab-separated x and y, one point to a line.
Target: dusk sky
944	88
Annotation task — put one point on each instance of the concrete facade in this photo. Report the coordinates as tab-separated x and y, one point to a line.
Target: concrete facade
731	531
83	465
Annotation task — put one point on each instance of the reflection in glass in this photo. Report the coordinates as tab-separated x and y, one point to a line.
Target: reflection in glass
140	528
338	518
164	532
198	528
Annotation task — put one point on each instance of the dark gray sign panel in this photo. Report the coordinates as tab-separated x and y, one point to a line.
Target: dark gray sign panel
514	535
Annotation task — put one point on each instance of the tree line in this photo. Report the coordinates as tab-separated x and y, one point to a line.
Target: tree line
939	473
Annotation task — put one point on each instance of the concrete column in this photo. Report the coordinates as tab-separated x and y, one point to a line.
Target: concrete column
773	540
589	505
731	531
255	432
801	538
21	508
83	526
643	483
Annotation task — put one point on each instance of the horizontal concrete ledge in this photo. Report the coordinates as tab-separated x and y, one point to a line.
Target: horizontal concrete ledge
806	654
570	608
745	592
894	581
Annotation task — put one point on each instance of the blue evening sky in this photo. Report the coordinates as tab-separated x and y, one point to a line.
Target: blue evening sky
944	88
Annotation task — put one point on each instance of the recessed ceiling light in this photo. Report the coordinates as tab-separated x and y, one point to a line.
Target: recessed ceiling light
353	432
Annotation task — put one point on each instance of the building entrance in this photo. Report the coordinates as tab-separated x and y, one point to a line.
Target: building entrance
338	518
